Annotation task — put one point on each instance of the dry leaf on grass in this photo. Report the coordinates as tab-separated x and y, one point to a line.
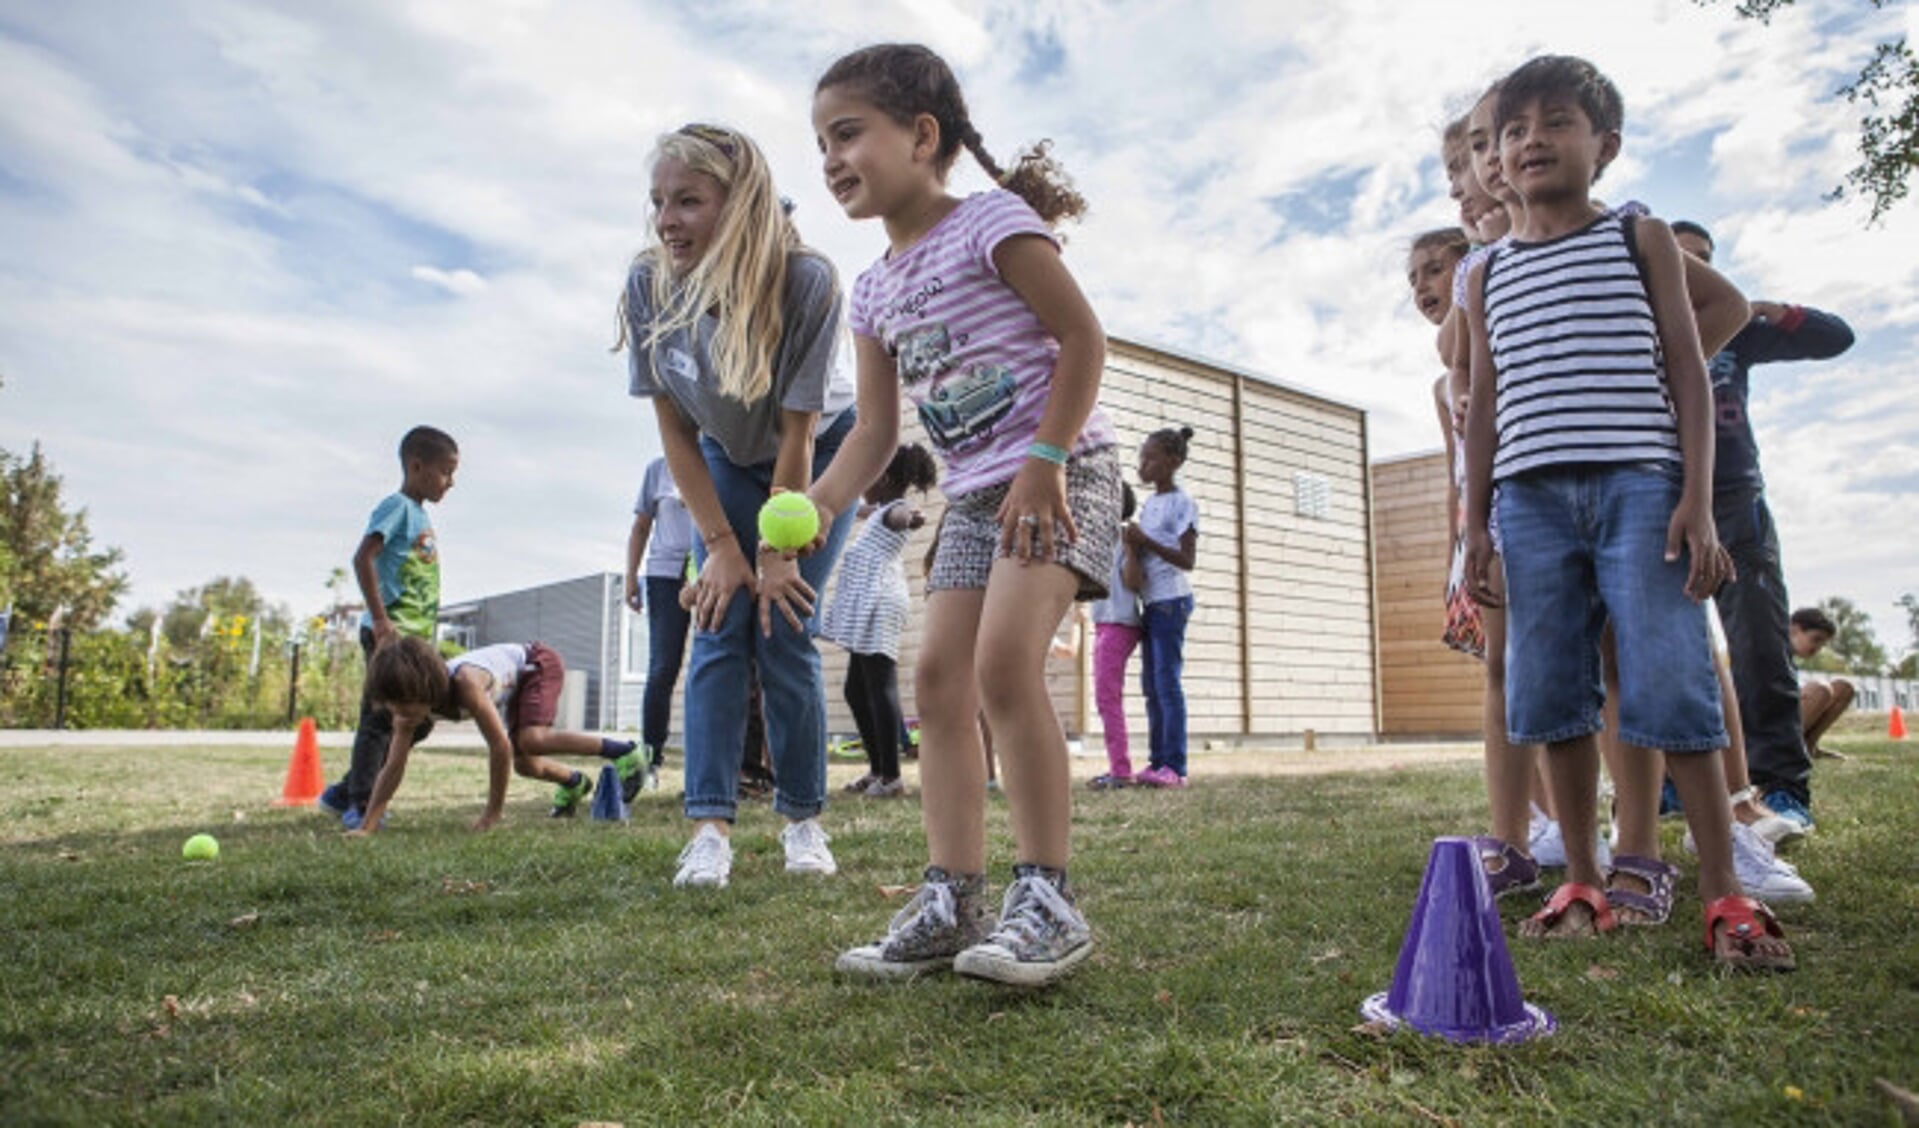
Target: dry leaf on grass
1601	971
1372	1029
245	920
892	891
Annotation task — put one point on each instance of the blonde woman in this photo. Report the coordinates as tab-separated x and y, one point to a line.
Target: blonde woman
732	326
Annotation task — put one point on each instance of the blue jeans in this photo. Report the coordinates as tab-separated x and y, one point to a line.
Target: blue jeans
1758	620
1583	545
1162	664
789	666
666	627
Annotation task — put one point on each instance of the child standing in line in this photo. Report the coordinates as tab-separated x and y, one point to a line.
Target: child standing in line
397	566
1166	537
1591	410
1116	634
732	325
868	613
973	314
510	690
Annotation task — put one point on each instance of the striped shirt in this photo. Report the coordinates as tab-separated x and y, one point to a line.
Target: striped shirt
1573	338
971	354
869	600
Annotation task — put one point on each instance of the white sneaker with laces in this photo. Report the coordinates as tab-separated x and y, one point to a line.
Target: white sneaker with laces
1040	937
806	851
1544	842
1763	873
707	860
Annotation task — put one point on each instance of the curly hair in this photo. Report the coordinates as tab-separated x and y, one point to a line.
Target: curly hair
905	80
409	672
912	468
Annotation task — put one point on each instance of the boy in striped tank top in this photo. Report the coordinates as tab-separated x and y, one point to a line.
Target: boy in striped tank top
1592	414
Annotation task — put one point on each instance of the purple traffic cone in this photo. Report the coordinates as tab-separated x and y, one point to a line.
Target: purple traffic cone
608	804
1455	979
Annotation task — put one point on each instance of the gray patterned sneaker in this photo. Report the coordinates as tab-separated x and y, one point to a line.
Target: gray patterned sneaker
941	920
1040	936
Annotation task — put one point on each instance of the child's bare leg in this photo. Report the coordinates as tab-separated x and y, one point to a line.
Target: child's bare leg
1573	773
533	744
1510	769
1748	809
952	764
1701	782
1638	774
1819	707
1024	603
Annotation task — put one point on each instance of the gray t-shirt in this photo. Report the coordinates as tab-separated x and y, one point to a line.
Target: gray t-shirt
671	538
805	375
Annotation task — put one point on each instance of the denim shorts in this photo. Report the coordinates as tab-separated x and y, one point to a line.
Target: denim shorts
1582	545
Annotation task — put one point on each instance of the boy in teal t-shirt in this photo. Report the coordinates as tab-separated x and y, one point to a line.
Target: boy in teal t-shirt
398	569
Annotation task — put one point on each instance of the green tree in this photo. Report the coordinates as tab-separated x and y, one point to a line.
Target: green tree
1909	666
1888	88
1854	648
52	564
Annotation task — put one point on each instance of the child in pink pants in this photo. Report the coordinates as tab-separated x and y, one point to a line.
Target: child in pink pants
1116	634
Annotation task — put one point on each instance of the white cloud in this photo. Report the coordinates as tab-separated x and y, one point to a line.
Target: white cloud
233	227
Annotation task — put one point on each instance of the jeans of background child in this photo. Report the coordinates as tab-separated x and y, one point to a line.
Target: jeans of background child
789	665
1758	619
666	628
1113	645
873	693
1584	545
1162	665
371	739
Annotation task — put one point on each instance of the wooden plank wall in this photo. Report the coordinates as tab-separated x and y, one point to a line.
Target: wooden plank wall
1426	688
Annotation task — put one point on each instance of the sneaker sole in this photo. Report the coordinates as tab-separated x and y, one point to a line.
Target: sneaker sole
860	966
812	870
1004	970
698	883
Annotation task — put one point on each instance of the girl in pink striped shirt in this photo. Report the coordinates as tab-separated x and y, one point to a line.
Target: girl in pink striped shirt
972	314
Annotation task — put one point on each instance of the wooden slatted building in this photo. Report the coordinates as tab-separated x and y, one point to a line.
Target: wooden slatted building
1426	689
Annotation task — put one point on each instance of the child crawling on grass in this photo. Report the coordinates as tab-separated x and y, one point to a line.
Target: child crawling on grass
511	690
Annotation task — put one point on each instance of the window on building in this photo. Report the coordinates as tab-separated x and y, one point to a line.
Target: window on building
1310	495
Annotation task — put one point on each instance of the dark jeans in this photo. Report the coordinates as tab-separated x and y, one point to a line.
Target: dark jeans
1758	618
666	628
1161	674
873	692
371	738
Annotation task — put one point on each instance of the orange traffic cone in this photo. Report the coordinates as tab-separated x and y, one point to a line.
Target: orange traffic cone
304	780
1896	727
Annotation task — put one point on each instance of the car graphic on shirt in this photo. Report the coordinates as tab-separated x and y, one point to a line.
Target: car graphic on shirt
965	409
922	353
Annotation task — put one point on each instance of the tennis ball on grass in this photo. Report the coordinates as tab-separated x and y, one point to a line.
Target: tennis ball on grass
201	848
788	521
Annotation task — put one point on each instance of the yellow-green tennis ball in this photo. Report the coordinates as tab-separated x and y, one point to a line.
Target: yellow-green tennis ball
788	521
201	848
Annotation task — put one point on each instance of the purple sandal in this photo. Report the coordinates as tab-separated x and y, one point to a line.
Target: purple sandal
1516	873
1658	876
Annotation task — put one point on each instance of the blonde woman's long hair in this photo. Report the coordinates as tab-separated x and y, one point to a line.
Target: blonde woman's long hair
742	277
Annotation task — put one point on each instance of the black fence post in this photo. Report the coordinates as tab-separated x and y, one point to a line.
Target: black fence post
293	681
60	697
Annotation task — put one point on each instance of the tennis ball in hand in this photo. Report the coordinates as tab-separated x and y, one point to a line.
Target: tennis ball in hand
788	521
200	848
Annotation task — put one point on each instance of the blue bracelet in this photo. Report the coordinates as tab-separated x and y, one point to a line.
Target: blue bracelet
1047	452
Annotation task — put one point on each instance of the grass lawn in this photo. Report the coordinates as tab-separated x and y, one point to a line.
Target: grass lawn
548	974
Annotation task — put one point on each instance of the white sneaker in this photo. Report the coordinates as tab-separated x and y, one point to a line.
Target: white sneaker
707	860
1547	844
1778	830
806	851
1762	872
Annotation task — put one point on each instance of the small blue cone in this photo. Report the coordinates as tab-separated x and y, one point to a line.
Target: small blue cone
608	806
1455	979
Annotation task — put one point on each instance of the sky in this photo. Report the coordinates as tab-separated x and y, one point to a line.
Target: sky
245	246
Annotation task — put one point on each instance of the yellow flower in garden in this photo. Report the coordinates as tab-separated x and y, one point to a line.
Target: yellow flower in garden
1795	1093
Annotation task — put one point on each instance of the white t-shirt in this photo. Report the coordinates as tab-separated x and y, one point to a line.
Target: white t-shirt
1165	517
505	661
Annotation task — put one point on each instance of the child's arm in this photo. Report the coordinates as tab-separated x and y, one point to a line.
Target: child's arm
1031	266
1718	308
1131	572
1182	555
727	569
1442	394
635	548
369	580
869	446
469	689
1796	333
1691	526
779	582
1481	438
399	747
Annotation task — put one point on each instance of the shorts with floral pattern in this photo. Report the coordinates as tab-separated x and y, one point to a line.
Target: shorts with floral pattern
969	533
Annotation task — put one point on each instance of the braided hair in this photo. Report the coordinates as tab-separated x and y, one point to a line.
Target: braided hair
905	80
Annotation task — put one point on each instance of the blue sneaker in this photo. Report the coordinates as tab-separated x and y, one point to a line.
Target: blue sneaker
333	800
1787	806
355	818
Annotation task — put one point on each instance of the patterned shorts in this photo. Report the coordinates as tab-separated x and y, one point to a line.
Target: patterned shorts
969	533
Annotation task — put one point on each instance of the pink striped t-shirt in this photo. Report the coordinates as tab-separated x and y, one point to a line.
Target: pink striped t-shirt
971	354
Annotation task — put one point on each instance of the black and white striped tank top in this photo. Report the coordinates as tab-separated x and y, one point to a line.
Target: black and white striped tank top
1581	379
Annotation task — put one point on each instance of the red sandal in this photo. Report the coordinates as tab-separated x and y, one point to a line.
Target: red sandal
1603	920
1746	920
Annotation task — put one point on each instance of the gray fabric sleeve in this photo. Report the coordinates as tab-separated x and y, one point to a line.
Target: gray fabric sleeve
639	322
811	316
